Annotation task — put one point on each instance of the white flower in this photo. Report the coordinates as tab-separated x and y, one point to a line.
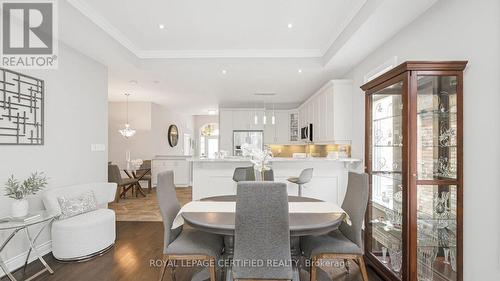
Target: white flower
259	158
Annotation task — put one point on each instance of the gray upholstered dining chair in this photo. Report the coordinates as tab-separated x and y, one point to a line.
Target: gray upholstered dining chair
269	175
346	242
183	244
124	184
262	231
243	174
146	166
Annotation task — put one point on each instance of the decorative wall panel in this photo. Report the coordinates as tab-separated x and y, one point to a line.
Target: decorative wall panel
21	109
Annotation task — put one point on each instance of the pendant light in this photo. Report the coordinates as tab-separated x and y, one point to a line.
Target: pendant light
127	132
255	117
273	118
264	118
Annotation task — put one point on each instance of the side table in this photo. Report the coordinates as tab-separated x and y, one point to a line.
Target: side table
44	219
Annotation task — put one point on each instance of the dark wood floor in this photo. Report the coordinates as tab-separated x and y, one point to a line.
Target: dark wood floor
137	244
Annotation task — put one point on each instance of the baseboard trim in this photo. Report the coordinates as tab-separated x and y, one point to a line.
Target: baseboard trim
17	262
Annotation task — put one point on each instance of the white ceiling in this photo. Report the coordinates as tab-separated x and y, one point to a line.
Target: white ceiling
221	26
181	65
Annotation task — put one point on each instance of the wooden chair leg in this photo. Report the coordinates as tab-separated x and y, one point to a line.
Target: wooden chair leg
362	268
172	273
163	270
211	270
313	270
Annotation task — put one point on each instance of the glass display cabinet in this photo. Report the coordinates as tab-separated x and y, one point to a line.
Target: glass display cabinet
414	160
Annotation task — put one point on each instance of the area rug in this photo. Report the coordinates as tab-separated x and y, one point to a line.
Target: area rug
145	208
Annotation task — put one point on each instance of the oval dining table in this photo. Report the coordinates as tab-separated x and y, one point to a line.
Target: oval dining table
301	224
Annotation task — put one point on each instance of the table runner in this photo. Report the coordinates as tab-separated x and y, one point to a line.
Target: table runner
230	207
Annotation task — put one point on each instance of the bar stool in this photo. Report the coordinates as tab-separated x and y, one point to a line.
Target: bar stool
305	177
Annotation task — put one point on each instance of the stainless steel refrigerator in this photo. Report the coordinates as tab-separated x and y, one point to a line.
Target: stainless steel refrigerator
255	139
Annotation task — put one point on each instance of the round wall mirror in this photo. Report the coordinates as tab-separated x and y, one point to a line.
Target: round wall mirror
173	135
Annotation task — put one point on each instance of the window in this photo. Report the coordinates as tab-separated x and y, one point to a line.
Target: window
209	140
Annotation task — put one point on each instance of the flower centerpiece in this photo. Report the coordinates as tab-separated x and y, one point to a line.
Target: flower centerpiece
19	191
259	158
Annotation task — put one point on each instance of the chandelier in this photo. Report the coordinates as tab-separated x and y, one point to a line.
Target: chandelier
208	130
127	132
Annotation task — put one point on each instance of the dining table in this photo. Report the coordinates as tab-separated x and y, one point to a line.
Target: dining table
315	222
138	174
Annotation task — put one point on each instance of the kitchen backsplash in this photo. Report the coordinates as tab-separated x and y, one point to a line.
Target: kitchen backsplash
316	150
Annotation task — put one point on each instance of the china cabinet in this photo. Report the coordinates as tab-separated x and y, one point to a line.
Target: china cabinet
414	159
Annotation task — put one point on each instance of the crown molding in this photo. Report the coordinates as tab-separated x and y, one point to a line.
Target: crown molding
104	24
230	53
344	25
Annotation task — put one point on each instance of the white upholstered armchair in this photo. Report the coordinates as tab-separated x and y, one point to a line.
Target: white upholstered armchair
86	235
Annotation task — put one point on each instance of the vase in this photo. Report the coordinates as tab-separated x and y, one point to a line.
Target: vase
19	208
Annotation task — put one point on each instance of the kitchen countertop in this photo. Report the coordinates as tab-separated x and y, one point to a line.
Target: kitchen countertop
277	159
172	156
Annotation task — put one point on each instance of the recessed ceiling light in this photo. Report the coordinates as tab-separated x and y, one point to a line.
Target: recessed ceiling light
224	71
290	25
299	71
161	26
212	111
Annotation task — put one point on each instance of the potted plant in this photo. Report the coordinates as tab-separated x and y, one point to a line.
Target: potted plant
19	191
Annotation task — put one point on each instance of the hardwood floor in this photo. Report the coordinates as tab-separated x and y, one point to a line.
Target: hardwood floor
138	243
146	208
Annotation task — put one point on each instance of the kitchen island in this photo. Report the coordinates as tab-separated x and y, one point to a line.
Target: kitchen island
214	177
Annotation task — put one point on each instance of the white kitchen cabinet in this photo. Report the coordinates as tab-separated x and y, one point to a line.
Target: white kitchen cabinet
279	133
330	112
342	111
178	164
244	119
241	119
226	130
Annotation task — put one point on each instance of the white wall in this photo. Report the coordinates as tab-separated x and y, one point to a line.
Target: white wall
151	122
458	30
76	111
162	118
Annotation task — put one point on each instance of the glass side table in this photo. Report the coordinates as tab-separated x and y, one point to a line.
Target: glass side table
44	219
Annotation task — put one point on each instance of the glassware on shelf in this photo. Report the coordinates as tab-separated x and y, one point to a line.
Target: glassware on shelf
381	163
427	233
446	134
443	237
446	256
444	168
384	255
426	257
386	158
395	218
396	255
453	258
442	205
379	135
